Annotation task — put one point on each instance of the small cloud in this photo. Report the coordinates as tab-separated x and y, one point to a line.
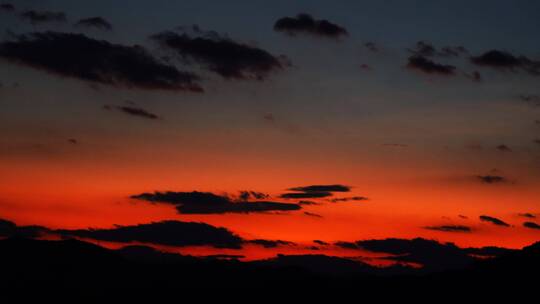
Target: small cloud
506	61
531	225
450	228
395	145
73	141
306	24
365	67
228	58
492	179
371	46
503	148
533	100
527	215
247	195
96	22
422	64
348	199
426	49
322	188
314	191
270	243
269	117
37	17
313	214
493	220
319	242
133	111
474	76
7	7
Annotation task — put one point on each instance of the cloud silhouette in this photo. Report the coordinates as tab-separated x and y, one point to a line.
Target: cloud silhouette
506	61
171	233
493	220
95	22
426	49
269	243
37	17
503	148
431	254
313	214
7	7
348	199
247	195
306	24
527	215
422	64
97	61
208	203
492	179
314	191
133	111
531	225
10	229
450	228
322	188
221	55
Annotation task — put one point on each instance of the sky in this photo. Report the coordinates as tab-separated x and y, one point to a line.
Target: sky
275	120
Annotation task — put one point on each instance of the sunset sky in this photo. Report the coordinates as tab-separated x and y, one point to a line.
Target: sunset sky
408	118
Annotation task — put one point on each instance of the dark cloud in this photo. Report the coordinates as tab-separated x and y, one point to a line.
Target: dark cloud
221	55
453	51
395	145
247	195
422	64
463	217
7	7
506	61
527	215
269	117
306	24
365	67
533	100
301	195
313	214
493	220
431	254
208	203
322	188
536	141
492	179
450	228
171	233
97	22
503	148
37	17
531	225
426	49
314	191
73	141
270	243
319	242
97	61
133	111
474	76
348	199
371	46
10	229
307	203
